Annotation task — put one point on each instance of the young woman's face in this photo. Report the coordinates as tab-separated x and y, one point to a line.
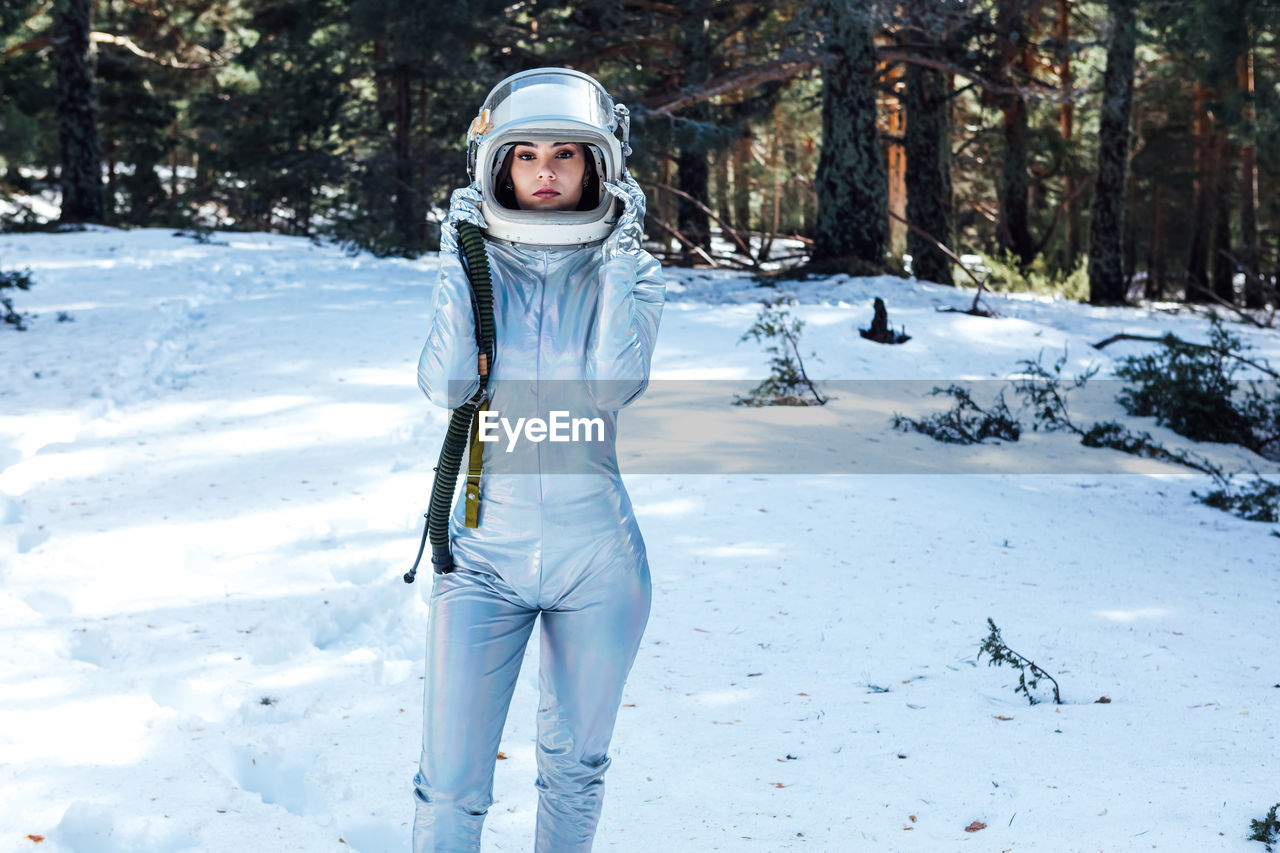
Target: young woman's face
548	175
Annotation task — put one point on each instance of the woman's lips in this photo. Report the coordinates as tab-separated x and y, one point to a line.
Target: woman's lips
547	193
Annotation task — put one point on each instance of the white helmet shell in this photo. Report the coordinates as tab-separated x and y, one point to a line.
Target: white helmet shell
549	104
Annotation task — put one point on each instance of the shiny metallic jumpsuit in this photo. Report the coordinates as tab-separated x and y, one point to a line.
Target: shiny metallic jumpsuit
557	536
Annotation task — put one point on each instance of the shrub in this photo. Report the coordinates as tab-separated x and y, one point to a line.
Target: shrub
994	646
1257	501
1044	395
1191	389
13	280
1006	275
787	383
1266	830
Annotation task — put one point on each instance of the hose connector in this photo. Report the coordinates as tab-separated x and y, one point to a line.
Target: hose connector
624	121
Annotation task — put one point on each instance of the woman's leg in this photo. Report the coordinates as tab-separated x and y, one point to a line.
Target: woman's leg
476	638
586	654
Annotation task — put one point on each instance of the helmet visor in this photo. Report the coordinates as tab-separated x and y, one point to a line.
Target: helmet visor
553	94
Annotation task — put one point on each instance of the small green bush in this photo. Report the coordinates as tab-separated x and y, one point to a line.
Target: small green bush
1043	393
1266	830
13	280
787	384
1192	390
999	653
1007	276
1259	500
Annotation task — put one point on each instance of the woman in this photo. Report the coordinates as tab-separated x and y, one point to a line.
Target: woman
576	304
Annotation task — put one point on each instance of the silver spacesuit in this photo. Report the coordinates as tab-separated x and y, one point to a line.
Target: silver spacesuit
575	327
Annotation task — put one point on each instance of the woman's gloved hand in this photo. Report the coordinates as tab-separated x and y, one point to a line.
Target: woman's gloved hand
464	206
628	232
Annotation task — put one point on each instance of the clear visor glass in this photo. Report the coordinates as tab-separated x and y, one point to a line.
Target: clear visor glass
528	98
502	190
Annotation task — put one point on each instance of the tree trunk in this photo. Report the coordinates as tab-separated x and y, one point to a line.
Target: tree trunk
1155	252
109	154
1106	232
794	191
1253	295
851	226
742	184
723	195
693	173
76	108
895	157
1198	255
1130	229
770	205
666	205
1223	267
402	206
1066	127
173	161
928	190
1014	232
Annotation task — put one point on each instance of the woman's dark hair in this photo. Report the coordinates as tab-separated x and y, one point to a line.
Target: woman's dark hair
506	195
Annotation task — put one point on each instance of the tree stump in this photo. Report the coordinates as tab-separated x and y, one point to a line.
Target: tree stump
880	331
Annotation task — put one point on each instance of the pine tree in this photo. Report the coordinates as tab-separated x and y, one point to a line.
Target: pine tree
1014	26
932	30
693	43
275	124
851	228
135	124
431	65
76	103
1106	249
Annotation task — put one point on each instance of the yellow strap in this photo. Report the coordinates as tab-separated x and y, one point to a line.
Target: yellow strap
474	458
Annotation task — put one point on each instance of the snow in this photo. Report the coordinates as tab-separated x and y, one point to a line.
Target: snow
212	478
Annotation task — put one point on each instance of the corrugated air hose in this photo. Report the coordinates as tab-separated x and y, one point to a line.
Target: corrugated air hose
476	262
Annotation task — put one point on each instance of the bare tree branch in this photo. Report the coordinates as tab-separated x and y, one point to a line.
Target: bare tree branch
1122	336
670	229
129	45
733	81
1038	89
950	254
37	43
724	226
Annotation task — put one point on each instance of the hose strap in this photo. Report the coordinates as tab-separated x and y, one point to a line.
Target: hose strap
475	457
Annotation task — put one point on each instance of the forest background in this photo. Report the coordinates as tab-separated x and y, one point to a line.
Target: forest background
1112	151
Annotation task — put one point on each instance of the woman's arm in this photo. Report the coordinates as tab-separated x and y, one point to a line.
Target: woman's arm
451	352
620	345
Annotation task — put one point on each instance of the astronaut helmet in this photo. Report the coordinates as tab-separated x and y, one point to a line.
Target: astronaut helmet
549	105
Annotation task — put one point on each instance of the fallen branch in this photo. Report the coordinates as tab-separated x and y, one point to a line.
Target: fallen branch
724	226
1196	287
1244	315
670	229
973	309
730	260
1124	336
950	254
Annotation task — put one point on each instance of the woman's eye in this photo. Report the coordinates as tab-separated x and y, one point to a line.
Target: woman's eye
525	155
566	154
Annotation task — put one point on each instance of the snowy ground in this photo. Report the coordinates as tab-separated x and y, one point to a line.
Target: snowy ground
211	480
